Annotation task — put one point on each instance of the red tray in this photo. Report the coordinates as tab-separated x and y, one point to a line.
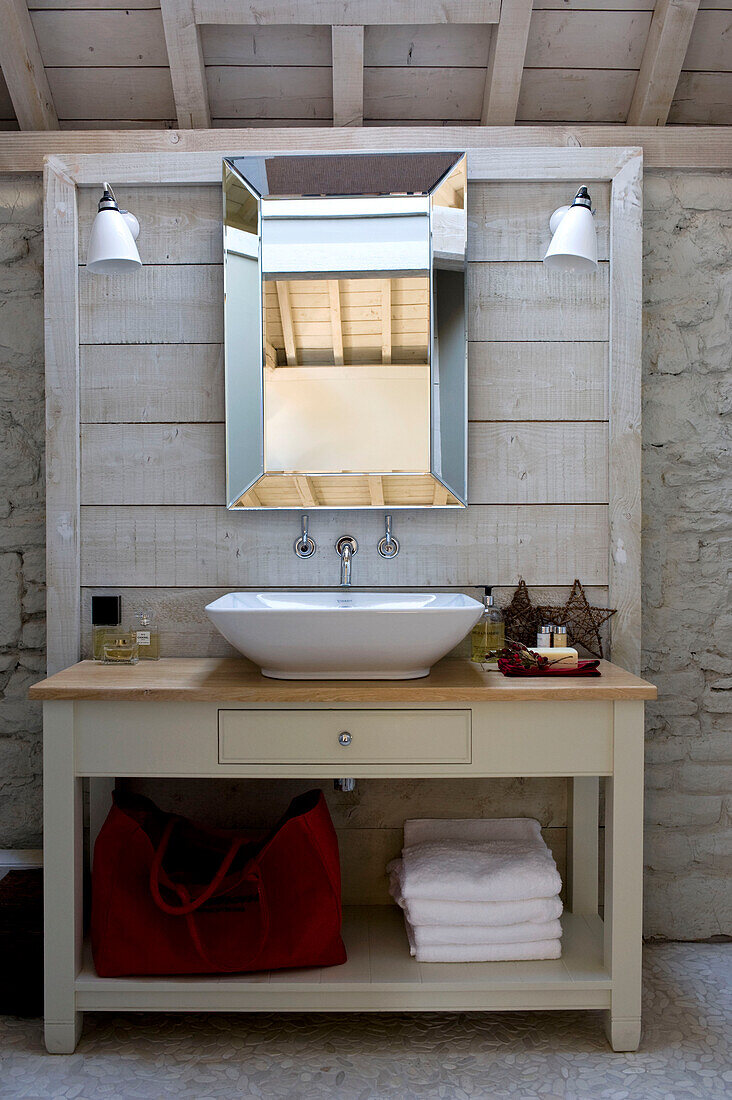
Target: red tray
584	668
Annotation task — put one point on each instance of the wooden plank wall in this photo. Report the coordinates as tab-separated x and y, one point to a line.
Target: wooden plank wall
152	434
153	521
107	65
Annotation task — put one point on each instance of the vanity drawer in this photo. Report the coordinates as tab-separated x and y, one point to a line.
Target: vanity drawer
344	736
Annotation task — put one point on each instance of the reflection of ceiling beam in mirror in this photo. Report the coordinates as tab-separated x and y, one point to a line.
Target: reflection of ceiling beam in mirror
376	490
334	295
288	333
306	492
441	495
386	321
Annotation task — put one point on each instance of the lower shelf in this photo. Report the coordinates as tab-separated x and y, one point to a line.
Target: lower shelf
379	975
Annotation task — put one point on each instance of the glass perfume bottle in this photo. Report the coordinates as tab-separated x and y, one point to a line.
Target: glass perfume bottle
147	635
105	616
120	648
489	634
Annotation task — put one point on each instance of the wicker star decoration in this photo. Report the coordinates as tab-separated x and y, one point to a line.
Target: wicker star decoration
583	622
521	617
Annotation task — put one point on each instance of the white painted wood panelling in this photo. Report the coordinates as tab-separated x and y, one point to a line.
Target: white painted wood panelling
142	383
555	462
109	63
536	380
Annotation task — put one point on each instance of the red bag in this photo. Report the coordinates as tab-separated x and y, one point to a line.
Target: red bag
170	896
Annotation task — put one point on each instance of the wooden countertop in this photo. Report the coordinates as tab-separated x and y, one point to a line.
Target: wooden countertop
227	679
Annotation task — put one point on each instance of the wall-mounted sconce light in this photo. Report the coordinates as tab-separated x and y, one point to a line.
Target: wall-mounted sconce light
573	245
112	248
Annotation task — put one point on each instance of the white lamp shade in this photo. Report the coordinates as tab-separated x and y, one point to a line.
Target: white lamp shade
112	247
573	247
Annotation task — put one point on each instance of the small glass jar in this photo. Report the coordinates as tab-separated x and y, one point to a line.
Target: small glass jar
121	648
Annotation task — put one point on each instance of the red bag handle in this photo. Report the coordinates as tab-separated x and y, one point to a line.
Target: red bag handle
196	903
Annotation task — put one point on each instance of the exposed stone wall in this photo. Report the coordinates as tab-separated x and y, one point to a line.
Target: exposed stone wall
687	544
22	550
686	549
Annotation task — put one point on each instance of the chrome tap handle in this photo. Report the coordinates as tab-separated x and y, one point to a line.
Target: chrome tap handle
388	546
304	546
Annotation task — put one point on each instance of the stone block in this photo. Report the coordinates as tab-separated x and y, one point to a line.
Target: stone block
10	599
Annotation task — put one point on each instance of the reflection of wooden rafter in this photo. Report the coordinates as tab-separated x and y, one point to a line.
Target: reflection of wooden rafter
270	355
288	332
376	490
334	296
386	321
347	53
252	498
306	492
441	494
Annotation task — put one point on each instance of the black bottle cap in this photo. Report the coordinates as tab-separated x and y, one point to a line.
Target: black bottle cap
106	610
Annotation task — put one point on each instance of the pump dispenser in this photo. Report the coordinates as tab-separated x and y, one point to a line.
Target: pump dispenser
489	634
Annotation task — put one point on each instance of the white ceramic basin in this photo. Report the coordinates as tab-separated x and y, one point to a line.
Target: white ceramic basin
344	635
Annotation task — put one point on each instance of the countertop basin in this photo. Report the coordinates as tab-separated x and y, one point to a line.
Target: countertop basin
344	635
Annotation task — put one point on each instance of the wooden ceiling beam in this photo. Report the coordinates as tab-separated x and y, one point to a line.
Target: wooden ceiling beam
663	57
22	66
336	325
187	70
506	55
683	147
386	338
347	54
288	330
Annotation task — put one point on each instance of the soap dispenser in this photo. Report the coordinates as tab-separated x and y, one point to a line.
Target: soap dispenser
489	633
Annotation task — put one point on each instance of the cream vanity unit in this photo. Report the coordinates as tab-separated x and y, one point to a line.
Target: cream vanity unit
220	718
335	382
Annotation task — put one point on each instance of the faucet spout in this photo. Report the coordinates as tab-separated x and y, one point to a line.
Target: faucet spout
346	547
346	558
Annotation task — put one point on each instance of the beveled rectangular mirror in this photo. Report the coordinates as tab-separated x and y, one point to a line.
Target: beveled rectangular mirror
345	330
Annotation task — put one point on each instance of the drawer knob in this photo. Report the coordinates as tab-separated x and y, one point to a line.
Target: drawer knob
344	738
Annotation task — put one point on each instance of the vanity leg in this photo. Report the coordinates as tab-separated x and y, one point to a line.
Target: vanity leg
624	877
62	878
582	840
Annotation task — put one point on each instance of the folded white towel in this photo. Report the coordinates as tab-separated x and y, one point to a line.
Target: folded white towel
429	935
485	952
497	870
434	911
419	830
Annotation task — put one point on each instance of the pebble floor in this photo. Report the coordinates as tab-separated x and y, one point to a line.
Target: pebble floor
685	1050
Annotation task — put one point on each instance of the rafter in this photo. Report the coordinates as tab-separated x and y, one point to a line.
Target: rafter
187	70
376	490
288	330
347	53
22	66
663	57
336	325
306	492
386	340
506	56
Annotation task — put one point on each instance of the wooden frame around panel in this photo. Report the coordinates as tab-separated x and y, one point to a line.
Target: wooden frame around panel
621	166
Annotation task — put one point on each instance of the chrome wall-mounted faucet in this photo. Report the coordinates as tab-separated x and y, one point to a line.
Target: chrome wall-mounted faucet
388	546
304	546
346	547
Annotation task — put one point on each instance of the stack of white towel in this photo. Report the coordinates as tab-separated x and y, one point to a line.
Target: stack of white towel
478	891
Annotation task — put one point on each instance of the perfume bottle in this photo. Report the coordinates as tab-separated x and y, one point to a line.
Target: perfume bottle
489	634
147	635
106	615
120	648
